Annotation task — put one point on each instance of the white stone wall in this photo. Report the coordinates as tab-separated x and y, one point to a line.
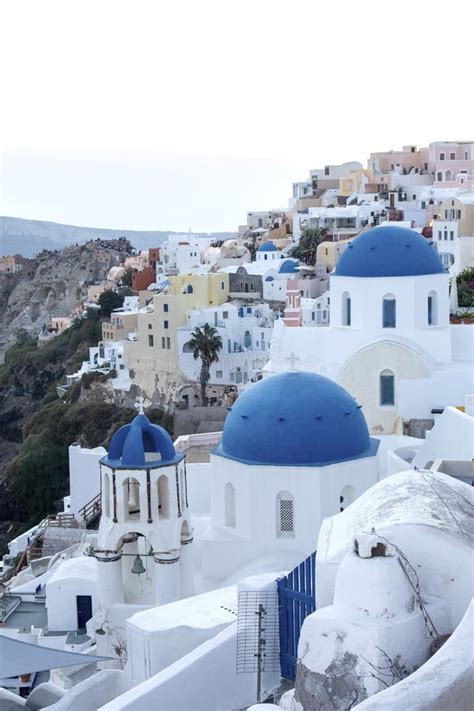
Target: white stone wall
316	492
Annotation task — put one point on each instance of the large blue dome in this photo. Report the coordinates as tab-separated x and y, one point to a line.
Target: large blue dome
141	445
387	252
295	419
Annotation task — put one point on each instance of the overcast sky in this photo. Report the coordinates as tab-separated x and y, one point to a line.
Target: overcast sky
175	115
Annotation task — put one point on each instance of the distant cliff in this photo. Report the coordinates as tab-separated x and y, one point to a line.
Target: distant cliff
30	237
53	284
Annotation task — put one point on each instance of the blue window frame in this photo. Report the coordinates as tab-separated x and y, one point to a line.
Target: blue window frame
389	313
165	308
387	388
430	310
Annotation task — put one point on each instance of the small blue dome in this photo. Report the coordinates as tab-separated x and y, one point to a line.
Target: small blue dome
267	247
141	445
269	278
389	251
295	419
290	266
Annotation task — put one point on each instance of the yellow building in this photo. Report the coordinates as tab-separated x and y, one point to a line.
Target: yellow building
355	181
153	357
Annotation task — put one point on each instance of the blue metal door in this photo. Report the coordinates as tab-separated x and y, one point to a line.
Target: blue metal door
297	600
84	610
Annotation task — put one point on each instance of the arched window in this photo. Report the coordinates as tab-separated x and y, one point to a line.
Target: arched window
387	388
347	497
389	311
439	176
285	513
106	496
229	505
163	497
448	175
131	498
247	339
190	289
346	309
432	308
187	348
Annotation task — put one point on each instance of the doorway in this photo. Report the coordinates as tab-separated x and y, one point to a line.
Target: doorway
84	610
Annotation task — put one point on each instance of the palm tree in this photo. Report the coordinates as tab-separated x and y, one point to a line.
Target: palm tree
205	344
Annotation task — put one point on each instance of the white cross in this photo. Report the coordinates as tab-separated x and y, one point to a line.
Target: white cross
140	405
292	361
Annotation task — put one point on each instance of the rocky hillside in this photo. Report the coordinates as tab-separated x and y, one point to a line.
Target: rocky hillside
53	284
29	237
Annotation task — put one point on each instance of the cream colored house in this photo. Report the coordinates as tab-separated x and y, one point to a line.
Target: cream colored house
453	232
153	358
329	253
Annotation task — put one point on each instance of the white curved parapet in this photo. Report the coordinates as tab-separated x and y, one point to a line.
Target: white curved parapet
446	681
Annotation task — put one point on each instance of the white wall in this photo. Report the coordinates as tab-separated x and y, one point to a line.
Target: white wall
203	680
198	478
452	437
411	294
158	637
316	492
75	576
443	682
446	386
84	475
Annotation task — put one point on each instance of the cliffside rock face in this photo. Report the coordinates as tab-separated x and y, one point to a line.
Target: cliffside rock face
53	284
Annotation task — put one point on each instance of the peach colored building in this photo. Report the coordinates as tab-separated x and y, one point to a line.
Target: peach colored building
399	161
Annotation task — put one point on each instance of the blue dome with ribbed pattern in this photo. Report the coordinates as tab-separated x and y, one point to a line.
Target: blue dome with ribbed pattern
295	419
141	445
389	251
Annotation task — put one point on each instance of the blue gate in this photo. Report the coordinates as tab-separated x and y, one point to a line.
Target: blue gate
297	600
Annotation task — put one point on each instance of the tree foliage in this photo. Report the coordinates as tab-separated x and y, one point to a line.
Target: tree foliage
205	344
465	284
126	277
39	476
108	301
306	248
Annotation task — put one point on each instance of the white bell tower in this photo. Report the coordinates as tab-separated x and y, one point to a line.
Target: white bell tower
143	550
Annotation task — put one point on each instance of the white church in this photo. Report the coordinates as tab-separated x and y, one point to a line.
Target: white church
389	342
294	450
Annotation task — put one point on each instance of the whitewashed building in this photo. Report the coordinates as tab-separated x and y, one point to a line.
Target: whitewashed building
390	342
245	331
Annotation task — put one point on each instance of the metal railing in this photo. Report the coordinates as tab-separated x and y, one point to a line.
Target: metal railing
91	510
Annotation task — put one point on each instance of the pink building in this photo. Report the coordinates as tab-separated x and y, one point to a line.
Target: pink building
292	315
452	164
408	159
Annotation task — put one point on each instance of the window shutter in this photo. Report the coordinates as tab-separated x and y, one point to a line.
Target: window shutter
286	516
